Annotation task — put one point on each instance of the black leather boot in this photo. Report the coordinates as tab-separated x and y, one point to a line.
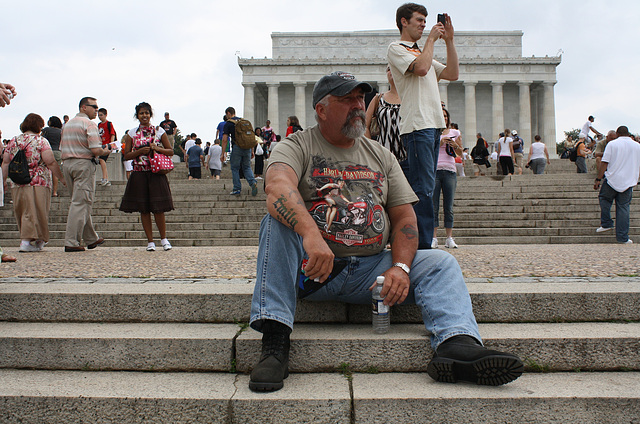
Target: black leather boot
463	358
273	366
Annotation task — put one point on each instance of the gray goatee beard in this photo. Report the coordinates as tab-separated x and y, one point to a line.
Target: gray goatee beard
356	129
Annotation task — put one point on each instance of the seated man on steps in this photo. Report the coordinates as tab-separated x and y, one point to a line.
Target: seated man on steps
376	208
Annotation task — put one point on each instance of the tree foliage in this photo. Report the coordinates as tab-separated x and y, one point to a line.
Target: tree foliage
177	141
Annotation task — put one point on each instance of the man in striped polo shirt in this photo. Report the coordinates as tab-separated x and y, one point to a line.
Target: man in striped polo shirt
80	146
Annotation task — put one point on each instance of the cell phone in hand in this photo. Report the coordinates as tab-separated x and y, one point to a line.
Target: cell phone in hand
441	18
307	286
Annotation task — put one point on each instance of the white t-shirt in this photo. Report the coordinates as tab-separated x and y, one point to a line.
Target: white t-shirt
623	158
504	146
214	156
537	151
189	144
420	108
584	132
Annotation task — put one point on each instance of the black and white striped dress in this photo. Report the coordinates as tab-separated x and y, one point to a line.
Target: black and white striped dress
389	122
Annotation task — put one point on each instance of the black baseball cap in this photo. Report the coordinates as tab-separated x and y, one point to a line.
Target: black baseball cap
337	83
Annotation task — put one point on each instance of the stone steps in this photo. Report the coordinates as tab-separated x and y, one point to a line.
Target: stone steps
126	397
490	210
314	348
148	350
502	300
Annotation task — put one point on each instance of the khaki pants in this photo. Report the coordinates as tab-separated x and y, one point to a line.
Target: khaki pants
80	175
31	206
518	161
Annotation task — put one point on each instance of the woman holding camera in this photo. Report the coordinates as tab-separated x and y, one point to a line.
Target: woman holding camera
147	192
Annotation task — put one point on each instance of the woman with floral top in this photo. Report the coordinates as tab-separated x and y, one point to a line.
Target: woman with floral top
31	202
147	192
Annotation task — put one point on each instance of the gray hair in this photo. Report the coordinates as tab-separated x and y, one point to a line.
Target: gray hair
324	102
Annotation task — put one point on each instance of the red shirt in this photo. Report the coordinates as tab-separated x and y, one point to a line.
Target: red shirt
106	131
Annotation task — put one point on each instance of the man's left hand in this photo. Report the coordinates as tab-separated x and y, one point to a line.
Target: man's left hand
396	286
448	28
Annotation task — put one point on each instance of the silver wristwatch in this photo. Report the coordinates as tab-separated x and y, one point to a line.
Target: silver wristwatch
403	267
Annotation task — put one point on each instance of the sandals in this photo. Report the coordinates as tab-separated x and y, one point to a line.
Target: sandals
7	258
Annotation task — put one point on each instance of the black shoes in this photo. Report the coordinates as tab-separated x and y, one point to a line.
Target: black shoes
463	358
273	366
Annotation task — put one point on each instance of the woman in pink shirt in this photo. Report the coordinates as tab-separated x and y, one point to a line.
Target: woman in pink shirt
446	180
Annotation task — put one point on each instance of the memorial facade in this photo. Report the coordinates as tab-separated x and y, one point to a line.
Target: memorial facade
498	88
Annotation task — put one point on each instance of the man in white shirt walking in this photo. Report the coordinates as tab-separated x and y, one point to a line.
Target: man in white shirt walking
620	167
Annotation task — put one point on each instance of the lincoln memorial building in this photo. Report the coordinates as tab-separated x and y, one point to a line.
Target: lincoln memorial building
497	88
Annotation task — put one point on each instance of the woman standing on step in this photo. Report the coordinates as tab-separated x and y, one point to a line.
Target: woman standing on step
505	152
147	192
384	110
537	153
32	201
446	181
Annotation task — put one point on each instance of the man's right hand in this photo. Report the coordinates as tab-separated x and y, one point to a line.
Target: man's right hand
437	32
321	258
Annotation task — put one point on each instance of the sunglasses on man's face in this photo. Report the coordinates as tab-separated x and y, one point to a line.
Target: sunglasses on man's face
93	106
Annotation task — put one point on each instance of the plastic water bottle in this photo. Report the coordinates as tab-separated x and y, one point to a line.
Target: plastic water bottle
380	310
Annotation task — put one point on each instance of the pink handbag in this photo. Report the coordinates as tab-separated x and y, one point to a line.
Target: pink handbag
160	164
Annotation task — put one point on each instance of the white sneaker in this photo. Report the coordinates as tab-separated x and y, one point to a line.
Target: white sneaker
449	243
151	247
28	247
40	244
602	229
166	245
628	242
434	243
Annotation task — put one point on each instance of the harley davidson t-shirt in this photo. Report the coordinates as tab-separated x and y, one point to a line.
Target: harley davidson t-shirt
346	191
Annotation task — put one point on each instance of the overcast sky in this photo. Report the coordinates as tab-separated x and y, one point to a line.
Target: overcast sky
181	56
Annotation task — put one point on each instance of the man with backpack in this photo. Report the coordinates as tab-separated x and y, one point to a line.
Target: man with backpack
108	135
579	155
240	133
518	150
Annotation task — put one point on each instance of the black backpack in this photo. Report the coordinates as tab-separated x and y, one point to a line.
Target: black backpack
19	167
573	153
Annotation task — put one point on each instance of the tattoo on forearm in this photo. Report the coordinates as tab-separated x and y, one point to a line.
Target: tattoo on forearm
409	231
285	214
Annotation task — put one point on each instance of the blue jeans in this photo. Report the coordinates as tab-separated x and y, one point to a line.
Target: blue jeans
437	285
606	197
241	158
422	148
446	182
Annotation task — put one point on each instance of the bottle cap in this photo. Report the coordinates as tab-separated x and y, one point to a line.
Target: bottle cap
380	279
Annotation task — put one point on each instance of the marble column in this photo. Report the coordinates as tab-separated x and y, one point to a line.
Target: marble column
444	93
249	102
524	129
383	87
470	125
273	111
497	111
549	122
300	103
